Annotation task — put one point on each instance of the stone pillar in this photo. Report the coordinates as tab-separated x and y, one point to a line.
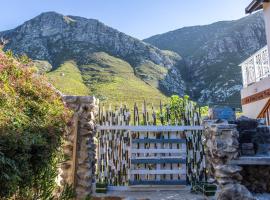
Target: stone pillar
79	147
221	141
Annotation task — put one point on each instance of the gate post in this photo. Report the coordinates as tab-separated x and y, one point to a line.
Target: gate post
222	146
79	147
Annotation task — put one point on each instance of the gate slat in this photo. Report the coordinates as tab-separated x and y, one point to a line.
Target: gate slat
161	182
158	160
159	141
162	171
148	151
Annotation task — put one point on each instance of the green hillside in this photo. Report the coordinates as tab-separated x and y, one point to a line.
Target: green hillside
110	79
71	53
67	78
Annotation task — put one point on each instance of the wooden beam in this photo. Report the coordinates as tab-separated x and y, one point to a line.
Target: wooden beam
264	110
256	97
74	150
255	5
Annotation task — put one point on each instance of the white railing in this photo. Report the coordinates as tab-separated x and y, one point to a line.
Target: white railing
256	67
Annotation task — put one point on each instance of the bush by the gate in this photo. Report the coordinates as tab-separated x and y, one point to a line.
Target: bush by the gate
32	122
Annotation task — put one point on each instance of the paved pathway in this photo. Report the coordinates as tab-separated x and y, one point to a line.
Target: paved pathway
149	195
160	195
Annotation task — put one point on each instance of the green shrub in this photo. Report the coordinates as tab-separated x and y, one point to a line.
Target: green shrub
32	123
179	109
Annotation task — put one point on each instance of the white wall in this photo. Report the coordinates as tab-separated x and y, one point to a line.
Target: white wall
252	110
257	87
266	11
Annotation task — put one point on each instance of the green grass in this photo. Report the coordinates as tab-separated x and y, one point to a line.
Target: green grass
110	79
151	73
67	78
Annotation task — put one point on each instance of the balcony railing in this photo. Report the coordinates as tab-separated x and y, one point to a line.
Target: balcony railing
256	67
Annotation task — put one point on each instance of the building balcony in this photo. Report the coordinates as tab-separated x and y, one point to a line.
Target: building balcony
256	67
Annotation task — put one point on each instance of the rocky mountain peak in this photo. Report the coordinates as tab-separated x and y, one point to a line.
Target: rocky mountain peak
207	69
212	54
56	38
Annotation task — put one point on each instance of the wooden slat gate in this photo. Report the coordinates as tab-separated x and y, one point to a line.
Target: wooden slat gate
149	155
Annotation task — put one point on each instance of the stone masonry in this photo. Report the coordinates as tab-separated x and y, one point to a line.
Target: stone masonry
222	146
255	142
79	168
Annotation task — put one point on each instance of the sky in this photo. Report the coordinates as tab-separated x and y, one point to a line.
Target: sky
138	18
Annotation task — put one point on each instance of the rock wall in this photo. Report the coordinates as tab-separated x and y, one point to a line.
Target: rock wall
222	146
79	147
256	178
254	141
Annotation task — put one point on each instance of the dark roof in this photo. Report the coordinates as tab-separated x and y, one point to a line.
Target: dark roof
255	5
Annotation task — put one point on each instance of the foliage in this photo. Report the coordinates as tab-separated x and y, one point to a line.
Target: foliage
204	111
32	122
179	109
8	175
67	193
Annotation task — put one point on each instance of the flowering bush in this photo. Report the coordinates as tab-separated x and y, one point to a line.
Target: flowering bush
32	122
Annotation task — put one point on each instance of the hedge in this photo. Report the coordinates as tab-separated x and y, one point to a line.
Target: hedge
32	124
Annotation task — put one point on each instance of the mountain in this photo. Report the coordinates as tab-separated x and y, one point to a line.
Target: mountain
212	54
84	56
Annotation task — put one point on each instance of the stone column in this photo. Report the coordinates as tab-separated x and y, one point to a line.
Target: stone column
221	147
79	169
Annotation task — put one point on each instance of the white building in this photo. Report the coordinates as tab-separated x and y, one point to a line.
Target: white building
255	95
